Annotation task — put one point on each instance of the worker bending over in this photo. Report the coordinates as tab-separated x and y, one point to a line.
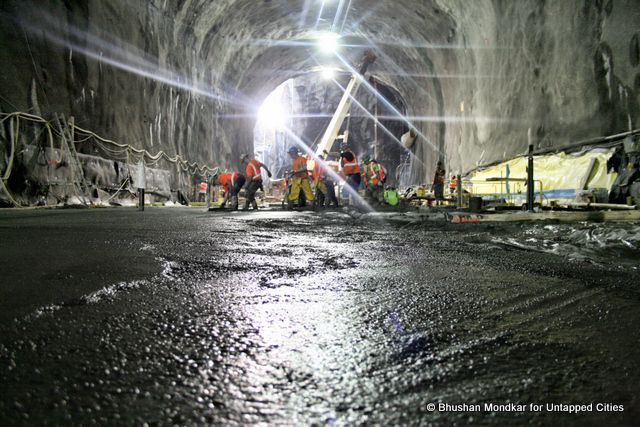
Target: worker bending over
374	176
254	180
325	187
300	178
232	183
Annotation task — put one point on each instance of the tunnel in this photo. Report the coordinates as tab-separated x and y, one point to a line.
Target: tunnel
304	105
319	212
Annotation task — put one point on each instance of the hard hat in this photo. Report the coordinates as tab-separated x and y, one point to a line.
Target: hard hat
366	158
292	150
243	157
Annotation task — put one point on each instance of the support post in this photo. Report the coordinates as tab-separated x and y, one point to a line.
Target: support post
459	190
141	199
530	183
141	184
208	195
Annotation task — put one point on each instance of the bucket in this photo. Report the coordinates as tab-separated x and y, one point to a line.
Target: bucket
475	204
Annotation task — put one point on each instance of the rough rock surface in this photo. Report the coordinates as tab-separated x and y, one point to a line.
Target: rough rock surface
475	74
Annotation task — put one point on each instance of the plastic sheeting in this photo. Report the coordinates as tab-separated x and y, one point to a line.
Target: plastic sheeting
558	177
615	244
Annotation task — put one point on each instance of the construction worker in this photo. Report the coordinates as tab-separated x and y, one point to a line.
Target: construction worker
253	180
203	187
324	186
350	167
374	176
391	196
438	183
453	184
300	178
232	183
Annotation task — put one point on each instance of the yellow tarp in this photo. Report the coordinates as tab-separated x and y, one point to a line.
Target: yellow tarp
559	175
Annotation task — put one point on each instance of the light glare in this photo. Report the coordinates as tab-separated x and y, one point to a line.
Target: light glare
271	113
328	42
328	73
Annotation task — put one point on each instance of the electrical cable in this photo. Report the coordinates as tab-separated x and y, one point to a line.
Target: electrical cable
184	164
66	133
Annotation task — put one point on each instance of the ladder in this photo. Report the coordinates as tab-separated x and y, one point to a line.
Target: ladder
331	133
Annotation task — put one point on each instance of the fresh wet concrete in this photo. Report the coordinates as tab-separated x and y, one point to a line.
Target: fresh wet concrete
180	316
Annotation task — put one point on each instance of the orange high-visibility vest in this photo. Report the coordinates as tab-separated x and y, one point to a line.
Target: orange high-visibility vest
350	167
253	170
319	173
376	177
453	183
300	163
228	180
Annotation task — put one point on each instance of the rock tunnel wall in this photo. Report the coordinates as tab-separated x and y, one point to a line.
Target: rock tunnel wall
566	69
187	76
96	60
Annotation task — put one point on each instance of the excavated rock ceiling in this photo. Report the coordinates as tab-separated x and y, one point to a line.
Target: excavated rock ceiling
187	76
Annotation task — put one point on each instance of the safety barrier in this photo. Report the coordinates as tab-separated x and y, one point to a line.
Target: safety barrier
509	190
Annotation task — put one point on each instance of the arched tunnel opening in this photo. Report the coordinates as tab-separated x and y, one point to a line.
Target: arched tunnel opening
319	212
305	105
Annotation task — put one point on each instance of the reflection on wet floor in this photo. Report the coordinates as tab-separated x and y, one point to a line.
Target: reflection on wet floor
615	244
298	319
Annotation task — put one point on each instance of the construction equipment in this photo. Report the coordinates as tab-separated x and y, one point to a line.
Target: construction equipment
331	133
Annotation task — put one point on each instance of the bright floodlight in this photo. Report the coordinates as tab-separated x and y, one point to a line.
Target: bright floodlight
328	42
328	73
271	113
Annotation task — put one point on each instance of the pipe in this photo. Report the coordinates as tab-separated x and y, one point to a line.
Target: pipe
606	141
587	142
178	159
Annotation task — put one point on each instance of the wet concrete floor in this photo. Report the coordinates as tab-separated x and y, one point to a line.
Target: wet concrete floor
179	316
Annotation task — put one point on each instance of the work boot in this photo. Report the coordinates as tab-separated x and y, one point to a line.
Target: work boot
254	204
246	206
